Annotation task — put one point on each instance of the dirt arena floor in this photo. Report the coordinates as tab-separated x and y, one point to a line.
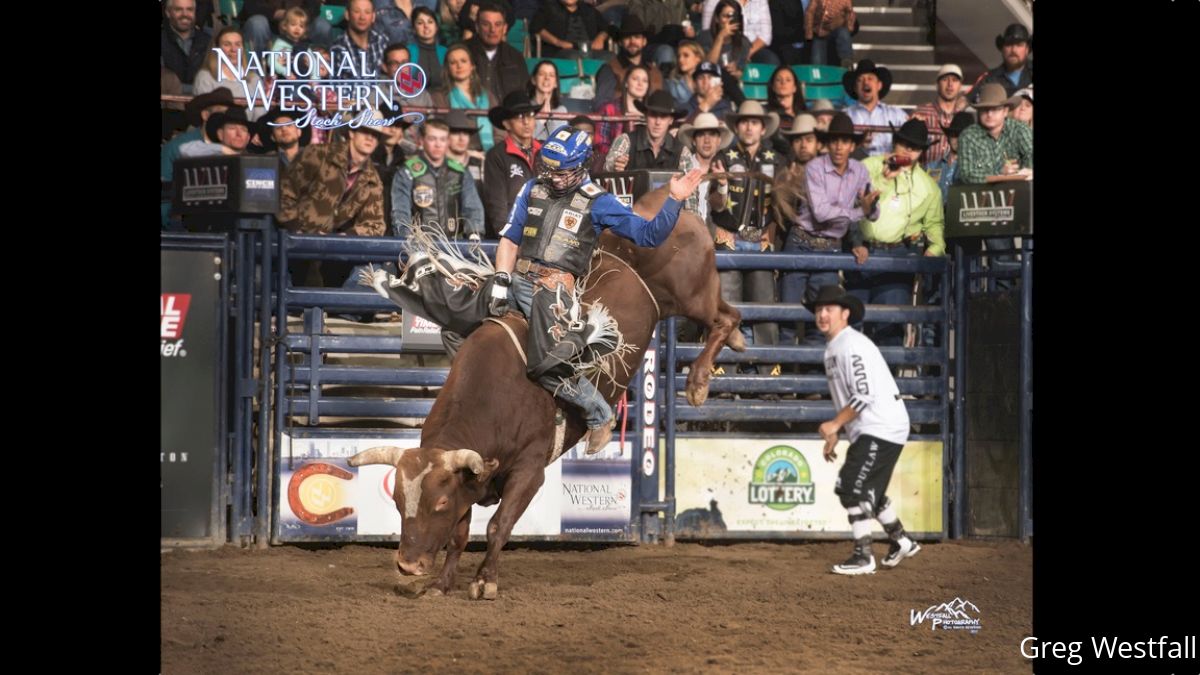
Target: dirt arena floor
746	607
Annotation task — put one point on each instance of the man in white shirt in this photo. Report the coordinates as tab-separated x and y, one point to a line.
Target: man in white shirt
705	136
876	422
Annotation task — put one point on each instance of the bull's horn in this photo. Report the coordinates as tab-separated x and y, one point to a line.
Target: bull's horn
459	459
384	454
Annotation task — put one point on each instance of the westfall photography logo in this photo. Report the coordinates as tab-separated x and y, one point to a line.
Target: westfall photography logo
321	86
958	614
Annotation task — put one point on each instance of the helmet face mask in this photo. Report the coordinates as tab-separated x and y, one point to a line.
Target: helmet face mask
561	181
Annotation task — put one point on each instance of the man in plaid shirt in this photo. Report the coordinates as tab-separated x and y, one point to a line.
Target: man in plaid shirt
940	113
361	36
995	146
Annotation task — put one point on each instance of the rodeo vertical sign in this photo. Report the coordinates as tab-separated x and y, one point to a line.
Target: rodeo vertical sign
189	309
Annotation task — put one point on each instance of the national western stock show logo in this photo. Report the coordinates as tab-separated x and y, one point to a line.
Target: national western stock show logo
319	88
782	479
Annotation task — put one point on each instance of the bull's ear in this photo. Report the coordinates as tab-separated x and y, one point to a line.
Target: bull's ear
488	467
456	460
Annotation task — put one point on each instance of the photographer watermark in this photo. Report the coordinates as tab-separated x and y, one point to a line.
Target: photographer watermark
958	614
1164	647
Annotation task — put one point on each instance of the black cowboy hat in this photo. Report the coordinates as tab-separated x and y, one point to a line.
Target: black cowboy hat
867	66
836	295
395	111
457	121
234	115
515	103
913	133
660	103
218	96
1012	35
840	125
630	25
960	123
264	128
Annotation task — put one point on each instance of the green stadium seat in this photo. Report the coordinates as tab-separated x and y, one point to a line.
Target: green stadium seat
833	92
517	34
229	11
757	92
819	74
333	14
592	66
757	73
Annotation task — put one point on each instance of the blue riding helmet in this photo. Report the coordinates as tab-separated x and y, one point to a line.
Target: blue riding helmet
562	162
566	148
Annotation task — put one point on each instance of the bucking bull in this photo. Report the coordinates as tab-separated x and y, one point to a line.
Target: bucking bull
492	431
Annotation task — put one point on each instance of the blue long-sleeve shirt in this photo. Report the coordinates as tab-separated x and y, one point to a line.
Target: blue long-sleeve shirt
608	213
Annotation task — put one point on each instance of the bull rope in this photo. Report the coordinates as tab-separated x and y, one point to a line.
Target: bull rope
657	311
511	334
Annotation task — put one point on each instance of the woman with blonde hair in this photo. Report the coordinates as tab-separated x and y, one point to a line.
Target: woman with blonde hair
462	89
229	41
680	84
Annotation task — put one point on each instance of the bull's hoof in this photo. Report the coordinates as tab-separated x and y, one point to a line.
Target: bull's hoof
697	395
736	341
433	591
479	589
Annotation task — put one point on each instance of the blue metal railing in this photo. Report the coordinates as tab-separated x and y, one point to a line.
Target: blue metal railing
299	382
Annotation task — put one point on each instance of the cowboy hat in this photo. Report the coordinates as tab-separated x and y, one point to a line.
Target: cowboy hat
265	128
515	103
850	77
706	121
840	125
802	124
836	295
1013	34
753	109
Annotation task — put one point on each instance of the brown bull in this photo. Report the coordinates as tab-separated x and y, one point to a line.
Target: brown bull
490	433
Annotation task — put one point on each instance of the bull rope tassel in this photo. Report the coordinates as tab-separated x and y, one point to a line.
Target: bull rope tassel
605	333
449	261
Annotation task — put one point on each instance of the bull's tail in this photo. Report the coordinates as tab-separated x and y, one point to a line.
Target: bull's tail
383	454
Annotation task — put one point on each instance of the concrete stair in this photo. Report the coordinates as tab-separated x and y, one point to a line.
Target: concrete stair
893	35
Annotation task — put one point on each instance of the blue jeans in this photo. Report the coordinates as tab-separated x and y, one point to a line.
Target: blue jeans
578	391
799	287
885	288
259	37
841	42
